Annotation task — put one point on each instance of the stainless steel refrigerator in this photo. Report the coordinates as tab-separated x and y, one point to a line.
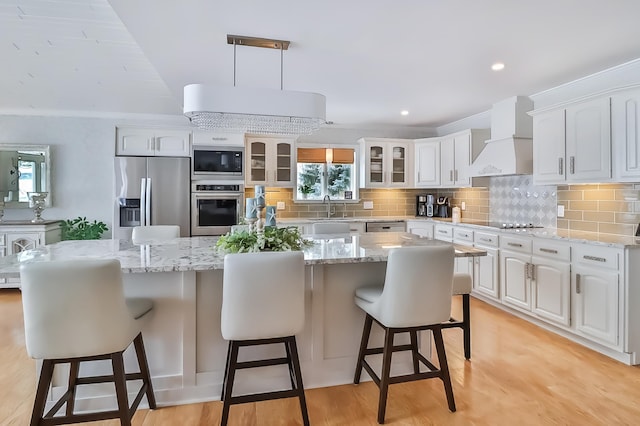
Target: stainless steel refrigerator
151	191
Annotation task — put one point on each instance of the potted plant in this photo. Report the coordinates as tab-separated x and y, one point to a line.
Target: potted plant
81	229
306	189
271	239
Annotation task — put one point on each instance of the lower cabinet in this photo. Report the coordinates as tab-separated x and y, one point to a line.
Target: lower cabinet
535	278
422	228
18	236
486	273
596	288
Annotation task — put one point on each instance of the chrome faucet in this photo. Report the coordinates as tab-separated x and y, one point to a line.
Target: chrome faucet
327	199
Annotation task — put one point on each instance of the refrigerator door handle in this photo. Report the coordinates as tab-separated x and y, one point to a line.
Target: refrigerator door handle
147	211
143	200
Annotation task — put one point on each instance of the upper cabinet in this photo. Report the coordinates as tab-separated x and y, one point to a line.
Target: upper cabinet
625	135
573	144
152	142
444	162
385	163
270	161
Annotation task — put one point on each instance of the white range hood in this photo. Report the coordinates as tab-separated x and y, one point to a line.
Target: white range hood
510	149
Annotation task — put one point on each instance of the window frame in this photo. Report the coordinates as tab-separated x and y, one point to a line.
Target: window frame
355	177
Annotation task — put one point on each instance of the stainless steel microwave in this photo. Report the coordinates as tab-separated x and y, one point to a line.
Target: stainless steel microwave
211	162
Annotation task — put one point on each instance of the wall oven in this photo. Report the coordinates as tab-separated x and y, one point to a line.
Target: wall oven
215	207
217	162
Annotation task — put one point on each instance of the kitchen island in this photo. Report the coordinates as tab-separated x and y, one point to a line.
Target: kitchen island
184	345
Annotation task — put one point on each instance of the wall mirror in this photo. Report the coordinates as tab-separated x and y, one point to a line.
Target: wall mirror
23	169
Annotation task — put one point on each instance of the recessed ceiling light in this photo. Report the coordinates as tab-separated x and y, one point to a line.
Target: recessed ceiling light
404	112
497	66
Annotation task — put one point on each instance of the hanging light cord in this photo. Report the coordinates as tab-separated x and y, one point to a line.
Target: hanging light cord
281	64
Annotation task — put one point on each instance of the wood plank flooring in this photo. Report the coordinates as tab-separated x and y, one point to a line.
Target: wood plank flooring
519	375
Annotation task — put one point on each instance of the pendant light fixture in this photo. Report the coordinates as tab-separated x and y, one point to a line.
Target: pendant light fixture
254	110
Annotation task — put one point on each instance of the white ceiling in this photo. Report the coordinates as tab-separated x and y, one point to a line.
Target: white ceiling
370	58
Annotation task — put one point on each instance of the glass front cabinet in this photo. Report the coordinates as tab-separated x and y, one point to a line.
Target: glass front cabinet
385	163
270	162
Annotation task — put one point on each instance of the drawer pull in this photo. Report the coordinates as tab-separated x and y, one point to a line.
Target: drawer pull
578	289
486	240
595	258
442	231
514	244
546	250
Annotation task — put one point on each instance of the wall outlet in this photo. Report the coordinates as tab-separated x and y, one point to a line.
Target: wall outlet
560	210
280	205
368	205
463	206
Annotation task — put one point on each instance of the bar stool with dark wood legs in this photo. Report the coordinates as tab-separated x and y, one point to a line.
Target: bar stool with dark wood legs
263	303
416	296
75	311
462	285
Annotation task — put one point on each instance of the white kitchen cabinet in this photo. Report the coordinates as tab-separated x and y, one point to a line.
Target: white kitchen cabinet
18	236
385	163
596	287
463	236
422	228
427	164
535	277
515	279
551	281
486	268
444	162
217	139
152	142
549	146
625	135
573	144
270	162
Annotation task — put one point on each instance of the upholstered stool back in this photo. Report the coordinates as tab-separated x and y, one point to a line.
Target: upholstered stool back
330	228
417	287
143	234
263	295
75	308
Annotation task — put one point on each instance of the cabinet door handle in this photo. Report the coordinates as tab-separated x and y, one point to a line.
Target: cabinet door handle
596	258
572	164
546	250
533	271
451	175
514	244
527	270
455	175
418	176
578	289
560	166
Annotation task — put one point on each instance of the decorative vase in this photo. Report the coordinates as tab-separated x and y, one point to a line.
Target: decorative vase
36	202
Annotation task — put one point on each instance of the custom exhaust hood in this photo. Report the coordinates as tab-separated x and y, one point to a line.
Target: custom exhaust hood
510	149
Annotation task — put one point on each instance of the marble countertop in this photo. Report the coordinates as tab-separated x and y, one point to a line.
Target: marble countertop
199	254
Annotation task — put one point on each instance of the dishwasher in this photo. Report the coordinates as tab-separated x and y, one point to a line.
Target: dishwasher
389	226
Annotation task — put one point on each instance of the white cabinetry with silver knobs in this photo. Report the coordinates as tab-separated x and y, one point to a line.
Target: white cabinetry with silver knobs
18	236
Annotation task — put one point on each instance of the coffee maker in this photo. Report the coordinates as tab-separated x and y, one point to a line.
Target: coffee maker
443	207
425	205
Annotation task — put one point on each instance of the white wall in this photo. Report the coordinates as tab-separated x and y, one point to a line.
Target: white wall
82	172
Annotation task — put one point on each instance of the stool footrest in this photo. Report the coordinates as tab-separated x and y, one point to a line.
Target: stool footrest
106	379
262	363
265	396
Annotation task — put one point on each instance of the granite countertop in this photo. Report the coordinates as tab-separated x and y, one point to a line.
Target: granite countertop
198	253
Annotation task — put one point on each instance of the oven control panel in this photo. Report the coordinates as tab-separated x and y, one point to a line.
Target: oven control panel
216	188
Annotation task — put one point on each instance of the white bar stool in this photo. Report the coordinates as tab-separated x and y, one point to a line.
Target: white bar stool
75	311
263	303
462	285
330	228
416	296
144	234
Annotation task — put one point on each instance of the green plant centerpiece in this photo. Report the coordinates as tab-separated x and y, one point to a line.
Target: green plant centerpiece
271	239
81	229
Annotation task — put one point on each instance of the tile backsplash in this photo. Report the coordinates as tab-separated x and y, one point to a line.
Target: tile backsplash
608	208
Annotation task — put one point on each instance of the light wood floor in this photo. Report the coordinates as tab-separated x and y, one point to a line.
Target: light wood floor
519	375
